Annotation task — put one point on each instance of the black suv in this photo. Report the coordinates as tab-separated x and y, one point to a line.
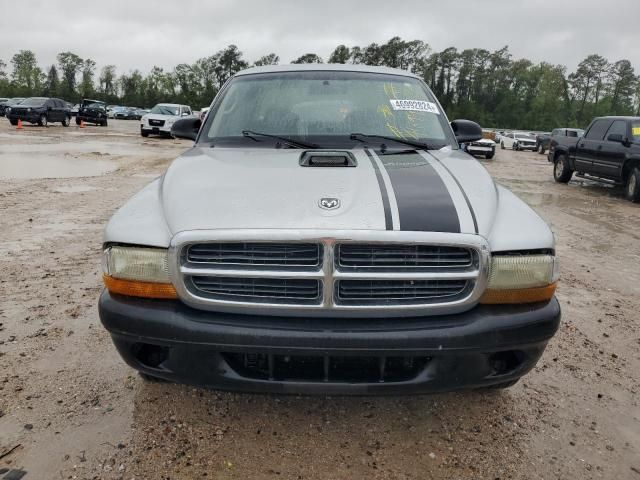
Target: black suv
608	152
92	111
40	110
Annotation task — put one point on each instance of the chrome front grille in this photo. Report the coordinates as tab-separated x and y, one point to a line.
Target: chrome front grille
329	273
256	254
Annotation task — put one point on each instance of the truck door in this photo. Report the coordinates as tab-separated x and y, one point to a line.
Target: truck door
587	147
610	155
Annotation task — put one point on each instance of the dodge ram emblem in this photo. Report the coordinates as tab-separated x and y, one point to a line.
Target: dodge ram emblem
329	203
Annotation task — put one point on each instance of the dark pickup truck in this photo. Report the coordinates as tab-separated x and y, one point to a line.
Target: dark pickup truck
608	152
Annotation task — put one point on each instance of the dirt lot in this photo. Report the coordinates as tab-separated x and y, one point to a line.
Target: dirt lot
69	408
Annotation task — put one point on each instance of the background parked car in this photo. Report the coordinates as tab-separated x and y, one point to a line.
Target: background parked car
92	111
518	141
160	120
484	147
126	113
115	110
41	110
7	103
608	152
542	142
559	136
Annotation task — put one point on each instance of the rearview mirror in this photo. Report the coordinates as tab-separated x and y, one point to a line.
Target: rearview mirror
466	131
186	128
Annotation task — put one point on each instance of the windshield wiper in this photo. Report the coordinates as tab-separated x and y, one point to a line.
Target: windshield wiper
288	141
355	136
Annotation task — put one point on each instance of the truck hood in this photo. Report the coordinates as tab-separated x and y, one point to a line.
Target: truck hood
158	116
260	188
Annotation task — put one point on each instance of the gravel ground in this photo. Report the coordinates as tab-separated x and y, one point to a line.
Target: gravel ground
70	408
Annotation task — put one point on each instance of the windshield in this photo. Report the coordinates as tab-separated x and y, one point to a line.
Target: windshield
165	110
33	102
325	108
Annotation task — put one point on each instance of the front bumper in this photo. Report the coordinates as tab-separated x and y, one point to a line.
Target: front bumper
165	129
31	117
484	346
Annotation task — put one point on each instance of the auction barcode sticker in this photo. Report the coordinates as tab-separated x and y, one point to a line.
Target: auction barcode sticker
414	106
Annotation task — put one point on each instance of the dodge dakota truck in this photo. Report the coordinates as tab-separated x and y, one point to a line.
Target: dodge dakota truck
326	235
609	152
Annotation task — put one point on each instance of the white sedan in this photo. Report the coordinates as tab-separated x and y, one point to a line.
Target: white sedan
518	141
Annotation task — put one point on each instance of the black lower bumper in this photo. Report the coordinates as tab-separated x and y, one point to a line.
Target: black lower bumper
484	346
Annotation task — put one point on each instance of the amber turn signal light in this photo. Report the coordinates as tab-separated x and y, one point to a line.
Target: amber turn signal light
133	288
519	295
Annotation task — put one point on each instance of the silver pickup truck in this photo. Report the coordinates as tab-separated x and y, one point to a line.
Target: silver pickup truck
325	234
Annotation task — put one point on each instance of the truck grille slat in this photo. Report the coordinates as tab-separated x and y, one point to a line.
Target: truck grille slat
402	256
298	289
400	290
256	254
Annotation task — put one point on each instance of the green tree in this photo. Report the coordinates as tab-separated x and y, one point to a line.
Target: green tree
52	84
107	82
88	71
270	59
26	75
341	54
308	58
70	65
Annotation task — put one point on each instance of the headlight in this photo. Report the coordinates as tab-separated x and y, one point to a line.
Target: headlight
137	272
169	121
521	279
28	109
7	110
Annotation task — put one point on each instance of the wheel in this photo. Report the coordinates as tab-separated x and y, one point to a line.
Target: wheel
144	134
503	385
633	185
562	172
541	149
78	121
489	156
151	379
66	122
13	122
43	120
515	147
104	122
502	145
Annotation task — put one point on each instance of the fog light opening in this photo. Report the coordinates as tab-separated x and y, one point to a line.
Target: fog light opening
506	362
151	356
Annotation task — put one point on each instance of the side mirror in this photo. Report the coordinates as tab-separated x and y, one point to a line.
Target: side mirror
616	137
186	128
466	131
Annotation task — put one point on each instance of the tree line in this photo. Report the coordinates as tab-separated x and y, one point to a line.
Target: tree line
491	88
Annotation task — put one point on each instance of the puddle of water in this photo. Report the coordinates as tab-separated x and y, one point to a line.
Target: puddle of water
50	166
74	189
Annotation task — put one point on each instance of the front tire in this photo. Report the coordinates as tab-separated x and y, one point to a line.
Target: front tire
562	172
66	122
633	185
78	121
541	149
502	145
489	156
42	121
13	122
144	134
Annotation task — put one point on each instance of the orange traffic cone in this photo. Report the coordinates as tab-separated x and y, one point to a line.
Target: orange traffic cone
19	127
81	123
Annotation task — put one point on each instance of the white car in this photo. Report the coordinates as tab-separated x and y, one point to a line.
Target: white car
203	112
161	118
484	147
518	141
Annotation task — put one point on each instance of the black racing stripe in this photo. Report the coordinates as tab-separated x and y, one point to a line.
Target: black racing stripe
383	191
424	202
464	194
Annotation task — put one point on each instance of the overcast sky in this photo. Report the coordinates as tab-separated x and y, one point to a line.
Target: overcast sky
142	33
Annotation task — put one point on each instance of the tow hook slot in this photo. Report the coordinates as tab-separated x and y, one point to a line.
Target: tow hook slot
315	158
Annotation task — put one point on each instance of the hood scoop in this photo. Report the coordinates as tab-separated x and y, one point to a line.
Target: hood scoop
327	158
